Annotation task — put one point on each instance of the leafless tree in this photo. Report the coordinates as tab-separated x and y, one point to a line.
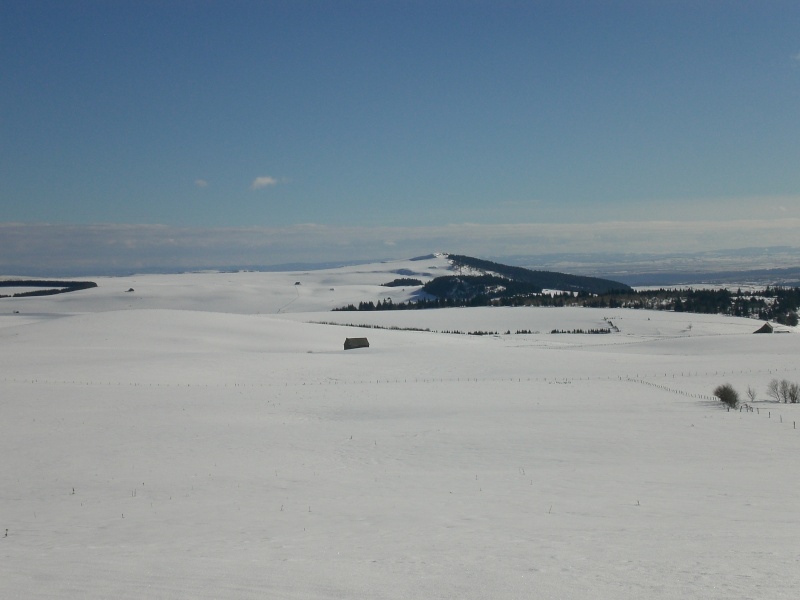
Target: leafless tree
783	391
793	393
751	394
774	390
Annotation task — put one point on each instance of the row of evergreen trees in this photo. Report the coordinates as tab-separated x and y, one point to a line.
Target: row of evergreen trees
46	287
778	304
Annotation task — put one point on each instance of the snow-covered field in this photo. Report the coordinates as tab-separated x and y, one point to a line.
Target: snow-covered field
204	436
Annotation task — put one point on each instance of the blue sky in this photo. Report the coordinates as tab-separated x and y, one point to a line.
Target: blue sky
372	117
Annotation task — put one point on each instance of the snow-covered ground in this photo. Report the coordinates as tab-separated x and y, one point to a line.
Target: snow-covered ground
205	436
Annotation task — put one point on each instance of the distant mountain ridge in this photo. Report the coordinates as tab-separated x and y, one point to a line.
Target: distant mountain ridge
539	279
476	282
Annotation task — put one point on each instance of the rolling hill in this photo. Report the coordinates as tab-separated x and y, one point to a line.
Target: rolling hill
207	436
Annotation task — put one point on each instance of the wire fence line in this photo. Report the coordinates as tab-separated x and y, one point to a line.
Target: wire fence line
651	379
655	381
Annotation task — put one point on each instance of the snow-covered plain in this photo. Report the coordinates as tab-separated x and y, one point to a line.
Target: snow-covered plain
204	436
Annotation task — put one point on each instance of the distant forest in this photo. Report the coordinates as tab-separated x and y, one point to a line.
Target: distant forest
504	285
777	304
539	279
49	287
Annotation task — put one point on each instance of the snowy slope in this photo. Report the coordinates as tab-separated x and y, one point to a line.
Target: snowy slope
205	437
242	292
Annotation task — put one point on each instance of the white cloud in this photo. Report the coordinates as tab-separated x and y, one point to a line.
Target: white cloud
201	183
796	57
262	182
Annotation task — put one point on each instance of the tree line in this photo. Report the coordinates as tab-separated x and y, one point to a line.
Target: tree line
778	304
48	287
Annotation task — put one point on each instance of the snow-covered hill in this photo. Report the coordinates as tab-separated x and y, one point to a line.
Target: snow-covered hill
248	292
205	436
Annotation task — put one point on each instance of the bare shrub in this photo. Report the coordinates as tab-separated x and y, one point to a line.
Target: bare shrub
751	394
727	395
